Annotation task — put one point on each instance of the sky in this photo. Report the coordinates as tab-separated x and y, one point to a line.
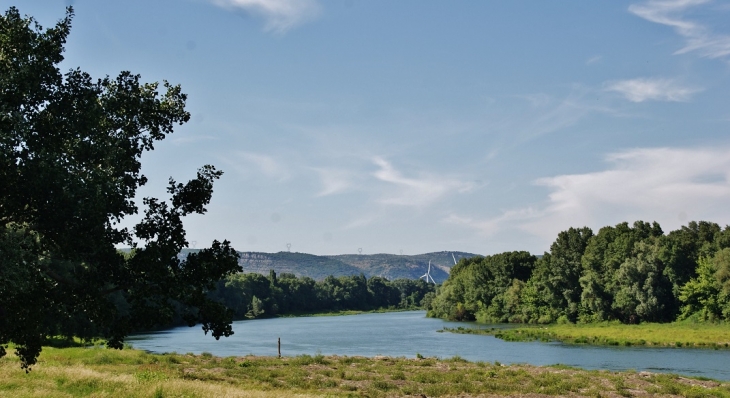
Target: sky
415	126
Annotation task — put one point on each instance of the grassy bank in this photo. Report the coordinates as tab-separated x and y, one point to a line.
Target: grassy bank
133	373
345	312
696	335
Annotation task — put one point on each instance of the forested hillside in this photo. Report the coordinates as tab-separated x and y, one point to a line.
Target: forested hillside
627	273
390	266
299	264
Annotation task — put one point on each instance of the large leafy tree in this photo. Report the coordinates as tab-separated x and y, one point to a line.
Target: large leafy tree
682	249
484	288
642	291
554	284
70	150
707	296
603	257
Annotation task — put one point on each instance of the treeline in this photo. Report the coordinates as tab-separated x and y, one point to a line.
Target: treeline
627	273
252	295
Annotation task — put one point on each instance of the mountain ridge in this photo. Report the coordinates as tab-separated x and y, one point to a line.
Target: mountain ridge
390	266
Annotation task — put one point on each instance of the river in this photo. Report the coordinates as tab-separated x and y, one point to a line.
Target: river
408	333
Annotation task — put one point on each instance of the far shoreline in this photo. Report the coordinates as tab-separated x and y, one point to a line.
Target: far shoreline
660	335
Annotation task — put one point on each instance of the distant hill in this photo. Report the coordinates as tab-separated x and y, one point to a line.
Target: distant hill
299	264
390	266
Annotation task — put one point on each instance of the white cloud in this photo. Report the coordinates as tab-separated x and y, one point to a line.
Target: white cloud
697	36
648	184
416	191
667	185
643	89
280	15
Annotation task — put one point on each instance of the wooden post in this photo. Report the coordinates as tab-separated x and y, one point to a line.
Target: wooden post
279	347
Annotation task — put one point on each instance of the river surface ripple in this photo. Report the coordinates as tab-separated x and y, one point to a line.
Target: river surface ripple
407	333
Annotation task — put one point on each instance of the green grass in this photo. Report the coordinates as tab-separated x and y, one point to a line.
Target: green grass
100	372
678	334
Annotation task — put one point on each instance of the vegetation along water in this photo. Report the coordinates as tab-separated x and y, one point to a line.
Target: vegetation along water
629	274
135	373
678	334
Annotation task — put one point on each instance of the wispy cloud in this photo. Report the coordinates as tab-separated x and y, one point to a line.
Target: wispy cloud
548	115
698	37
193	139
334	180
644	89
280	15
421	191
594	59
361	221
518	119
248	164
490	226
564	115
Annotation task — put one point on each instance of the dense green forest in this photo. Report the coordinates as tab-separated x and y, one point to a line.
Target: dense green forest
252	295
627	273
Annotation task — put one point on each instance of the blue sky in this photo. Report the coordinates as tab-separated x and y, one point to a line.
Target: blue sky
420	126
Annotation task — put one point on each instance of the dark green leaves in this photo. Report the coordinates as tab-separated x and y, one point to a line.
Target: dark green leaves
628	273
70	150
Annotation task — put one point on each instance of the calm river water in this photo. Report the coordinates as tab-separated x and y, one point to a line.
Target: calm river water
407	333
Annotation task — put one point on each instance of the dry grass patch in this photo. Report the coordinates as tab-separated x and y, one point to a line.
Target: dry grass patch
96	372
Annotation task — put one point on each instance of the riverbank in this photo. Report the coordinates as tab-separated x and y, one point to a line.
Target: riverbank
678	334
343	312
134	373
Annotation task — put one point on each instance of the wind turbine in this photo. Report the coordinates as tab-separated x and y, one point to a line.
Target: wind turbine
452	256
427	275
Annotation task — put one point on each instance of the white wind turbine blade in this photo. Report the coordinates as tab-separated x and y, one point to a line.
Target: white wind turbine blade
452	256
428	273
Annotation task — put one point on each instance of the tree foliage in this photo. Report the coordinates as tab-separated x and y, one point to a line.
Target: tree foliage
477	286
601	263
626	273
253	295
642	291
707	296
554	287
70	150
